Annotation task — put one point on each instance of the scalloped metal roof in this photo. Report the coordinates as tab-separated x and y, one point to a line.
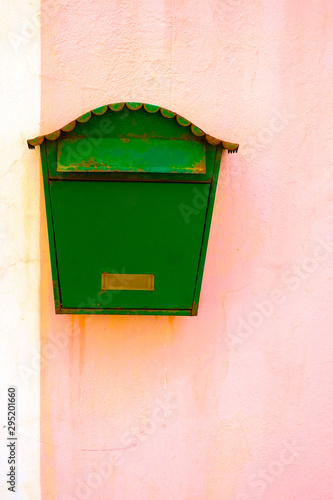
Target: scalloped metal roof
133	106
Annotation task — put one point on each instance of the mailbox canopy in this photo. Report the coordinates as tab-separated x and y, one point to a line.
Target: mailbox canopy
129	191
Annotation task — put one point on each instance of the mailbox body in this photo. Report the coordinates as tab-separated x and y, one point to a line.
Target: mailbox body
129	195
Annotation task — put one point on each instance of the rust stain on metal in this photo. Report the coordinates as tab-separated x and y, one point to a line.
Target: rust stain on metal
56	291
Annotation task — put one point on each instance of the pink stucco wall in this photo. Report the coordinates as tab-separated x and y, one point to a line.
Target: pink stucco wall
235	403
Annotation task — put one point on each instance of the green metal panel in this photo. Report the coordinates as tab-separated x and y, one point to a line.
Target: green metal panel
52	157
49	219
126	228
137	142
132	155
209	214
133	312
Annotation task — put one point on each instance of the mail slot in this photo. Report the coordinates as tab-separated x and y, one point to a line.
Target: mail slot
129	191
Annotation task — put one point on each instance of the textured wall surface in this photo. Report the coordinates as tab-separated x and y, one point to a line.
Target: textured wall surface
19	241
234	404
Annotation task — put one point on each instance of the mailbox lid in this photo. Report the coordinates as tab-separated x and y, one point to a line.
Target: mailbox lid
128	228
130	144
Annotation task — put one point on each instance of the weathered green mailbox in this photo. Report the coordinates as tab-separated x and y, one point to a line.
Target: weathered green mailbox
129	191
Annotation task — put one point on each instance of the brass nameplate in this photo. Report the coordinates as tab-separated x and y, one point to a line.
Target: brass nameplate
127	282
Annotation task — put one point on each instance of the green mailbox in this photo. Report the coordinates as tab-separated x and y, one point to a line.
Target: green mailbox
129	191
